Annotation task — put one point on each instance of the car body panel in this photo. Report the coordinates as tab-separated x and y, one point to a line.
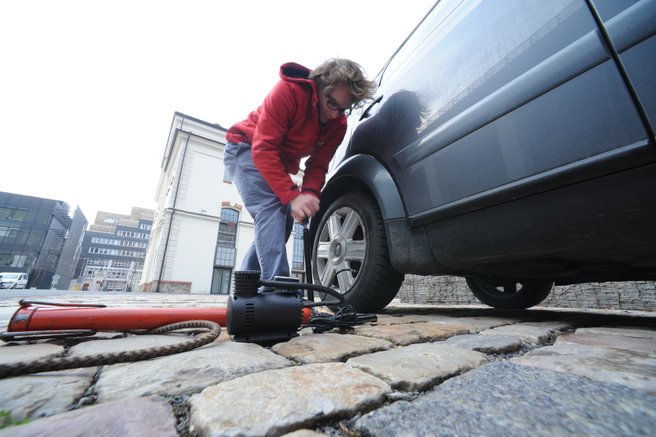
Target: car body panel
520	142
411	249
377	179
630	28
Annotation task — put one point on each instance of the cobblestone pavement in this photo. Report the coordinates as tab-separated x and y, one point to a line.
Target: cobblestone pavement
420	370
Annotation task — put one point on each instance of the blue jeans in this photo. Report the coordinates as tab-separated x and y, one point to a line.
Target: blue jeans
273	221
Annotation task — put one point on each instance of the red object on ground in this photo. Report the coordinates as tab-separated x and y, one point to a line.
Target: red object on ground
43	316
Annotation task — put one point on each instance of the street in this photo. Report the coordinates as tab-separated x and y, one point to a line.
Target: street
419	370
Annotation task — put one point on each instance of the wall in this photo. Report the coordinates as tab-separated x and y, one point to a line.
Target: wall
597	295
189	194
168	287
191	252
201	185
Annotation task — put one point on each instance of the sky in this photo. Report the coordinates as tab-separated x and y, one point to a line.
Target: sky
88	89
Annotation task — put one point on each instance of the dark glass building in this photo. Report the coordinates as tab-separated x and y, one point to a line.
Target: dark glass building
33	232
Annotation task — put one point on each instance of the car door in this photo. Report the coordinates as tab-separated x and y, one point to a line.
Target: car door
630	26
492	101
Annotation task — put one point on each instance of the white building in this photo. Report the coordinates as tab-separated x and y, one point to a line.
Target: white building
201	231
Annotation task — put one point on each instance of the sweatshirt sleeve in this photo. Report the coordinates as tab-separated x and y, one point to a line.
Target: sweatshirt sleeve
276	114
317	164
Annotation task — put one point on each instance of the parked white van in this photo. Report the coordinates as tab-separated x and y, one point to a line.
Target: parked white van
13	280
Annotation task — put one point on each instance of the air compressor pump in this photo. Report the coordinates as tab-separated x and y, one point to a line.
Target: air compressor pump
271	311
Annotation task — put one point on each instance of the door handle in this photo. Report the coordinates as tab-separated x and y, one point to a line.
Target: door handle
365	114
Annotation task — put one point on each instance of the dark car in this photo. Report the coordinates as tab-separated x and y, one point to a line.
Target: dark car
512	143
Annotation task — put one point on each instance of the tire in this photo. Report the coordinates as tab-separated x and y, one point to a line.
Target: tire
350	253
508	293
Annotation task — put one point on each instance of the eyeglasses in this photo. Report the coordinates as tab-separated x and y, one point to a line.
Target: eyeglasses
334	106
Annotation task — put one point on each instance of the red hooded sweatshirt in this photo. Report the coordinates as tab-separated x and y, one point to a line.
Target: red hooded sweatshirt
285	129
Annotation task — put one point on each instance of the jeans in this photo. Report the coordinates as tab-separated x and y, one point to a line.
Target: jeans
273	221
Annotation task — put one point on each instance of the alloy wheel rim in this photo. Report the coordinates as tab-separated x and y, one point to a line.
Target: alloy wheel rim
341	249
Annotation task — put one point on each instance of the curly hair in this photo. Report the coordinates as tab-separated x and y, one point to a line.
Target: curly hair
338	72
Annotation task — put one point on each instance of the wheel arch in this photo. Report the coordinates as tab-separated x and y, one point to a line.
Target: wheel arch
366	172
409	249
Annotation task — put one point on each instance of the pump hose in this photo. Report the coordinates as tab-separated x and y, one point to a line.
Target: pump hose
63	363
299	285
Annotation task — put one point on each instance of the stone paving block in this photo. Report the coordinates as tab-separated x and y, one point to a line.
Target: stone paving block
633	369
553	325
419	366
487	344
277	401
305	433
622	331
530	332
639	344
29	352
143	417
126	344
503	399
477	324
410	333
401	319
44	394
322	348
186	372
470	324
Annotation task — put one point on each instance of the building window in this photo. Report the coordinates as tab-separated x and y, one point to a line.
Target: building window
120	263
131	234
13	214
224	259
227	238
221	280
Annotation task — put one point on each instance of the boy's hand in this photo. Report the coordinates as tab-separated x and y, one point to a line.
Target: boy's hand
304	206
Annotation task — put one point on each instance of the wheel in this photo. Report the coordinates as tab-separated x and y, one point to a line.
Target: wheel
508	293
350	253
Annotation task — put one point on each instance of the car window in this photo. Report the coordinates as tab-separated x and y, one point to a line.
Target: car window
609	9
441	12
467	49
